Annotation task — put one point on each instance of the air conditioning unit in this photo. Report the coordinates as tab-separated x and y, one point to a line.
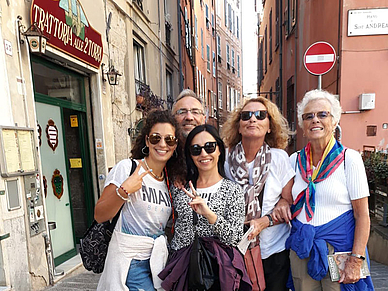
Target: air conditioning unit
366	101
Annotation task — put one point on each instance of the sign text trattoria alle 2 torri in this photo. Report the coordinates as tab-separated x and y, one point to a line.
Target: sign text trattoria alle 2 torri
65	24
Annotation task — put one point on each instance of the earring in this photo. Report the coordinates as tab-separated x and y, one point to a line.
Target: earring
145	151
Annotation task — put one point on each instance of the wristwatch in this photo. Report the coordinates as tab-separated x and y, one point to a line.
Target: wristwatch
358	256
270	220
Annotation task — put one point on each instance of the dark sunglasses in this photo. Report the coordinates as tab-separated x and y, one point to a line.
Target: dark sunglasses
209	147
170	140
319	114
259	114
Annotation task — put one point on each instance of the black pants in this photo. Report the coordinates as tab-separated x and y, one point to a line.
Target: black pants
276	271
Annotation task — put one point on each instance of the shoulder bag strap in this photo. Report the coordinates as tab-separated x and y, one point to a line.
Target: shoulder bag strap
114	220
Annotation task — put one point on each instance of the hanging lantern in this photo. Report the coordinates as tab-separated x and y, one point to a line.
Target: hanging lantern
112	75
36	39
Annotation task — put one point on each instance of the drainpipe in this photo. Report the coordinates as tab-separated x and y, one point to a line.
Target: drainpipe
192	36
18	24
295	77
180	46
339	45
160	52
281	54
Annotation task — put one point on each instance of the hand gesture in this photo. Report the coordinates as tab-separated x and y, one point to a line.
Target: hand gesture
199	205
133	182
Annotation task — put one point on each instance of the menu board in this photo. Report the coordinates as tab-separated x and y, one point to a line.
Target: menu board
18	151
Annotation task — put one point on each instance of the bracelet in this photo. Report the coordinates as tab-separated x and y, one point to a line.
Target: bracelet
125	191
358	256
123	198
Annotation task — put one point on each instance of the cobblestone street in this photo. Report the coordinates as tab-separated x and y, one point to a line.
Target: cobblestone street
84	280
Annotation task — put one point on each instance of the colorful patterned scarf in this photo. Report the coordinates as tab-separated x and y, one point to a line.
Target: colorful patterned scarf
239	170
332	157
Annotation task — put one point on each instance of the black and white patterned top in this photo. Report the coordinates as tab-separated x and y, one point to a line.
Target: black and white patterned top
228	203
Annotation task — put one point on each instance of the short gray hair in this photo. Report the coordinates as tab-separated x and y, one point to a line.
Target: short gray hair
320	95
186	93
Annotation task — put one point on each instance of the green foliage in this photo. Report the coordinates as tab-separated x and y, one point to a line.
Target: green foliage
376	167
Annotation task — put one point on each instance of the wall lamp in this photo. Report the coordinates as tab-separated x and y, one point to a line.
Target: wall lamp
112	75
35	38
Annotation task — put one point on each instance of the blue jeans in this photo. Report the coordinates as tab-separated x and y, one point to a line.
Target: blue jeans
139	276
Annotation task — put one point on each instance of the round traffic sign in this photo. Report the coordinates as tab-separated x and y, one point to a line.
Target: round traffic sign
319	58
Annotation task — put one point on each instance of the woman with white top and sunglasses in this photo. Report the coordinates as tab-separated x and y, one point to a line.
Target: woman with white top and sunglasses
138	250
219	204
256	135
330	210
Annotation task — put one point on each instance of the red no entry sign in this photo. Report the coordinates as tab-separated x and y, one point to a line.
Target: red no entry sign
319	58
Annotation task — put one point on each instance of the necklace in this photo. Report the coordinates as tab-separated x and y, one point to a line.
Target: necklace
161	177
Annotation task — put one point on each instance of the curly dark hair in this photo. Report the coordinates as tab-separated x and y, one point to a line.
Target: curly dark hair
192	170
174	164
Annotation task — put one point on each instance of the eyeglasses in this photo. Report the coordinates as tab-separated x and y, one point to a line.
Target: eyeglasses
194	111
209	147
319	114
259	114
170	140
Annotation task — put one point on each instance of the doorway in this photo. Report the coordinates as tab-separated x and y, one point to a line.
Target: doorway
64	152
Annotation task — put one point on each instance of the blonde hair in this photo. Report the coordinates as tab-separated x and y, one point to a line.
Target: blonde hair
280	131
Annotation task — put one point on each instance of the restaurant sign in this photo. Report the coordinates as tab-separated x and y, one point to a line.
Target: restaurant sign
65	24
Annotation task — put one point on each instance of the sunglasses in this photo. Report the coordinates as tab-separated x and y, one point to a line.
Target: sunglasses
319	114
170	140
259	114
209	147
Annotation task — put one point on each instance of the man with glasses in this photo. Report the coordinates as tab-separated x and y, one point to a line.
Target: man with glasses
188	111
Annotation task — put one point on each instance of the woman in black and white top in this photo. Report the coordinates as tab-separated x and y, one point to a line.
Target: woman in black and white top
219	204
138	247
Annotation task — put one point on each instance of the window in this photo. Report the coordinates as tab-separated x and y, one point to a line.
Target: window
227	56
238	98
238	27
169	93
140	80
214	64
219	94
196	31
233	23
187	34
208	57
213	27
238	65
226	13
233	60
277	24
270	36
202	43
290	103
218	3
230	17
207	16
290	16
278	102
260	74
219	48
265	50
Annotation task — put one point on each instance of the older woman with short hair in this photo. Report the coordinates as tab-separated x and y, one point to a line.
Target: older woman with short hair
256	135
330	193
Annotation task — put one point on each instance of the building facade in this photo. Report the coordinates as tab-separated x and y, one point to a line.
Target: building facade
214	52
62	123
356	32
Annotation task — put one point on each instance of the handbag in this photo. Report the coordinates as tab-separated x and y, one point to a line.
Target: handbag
253	262
95	242
202	264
